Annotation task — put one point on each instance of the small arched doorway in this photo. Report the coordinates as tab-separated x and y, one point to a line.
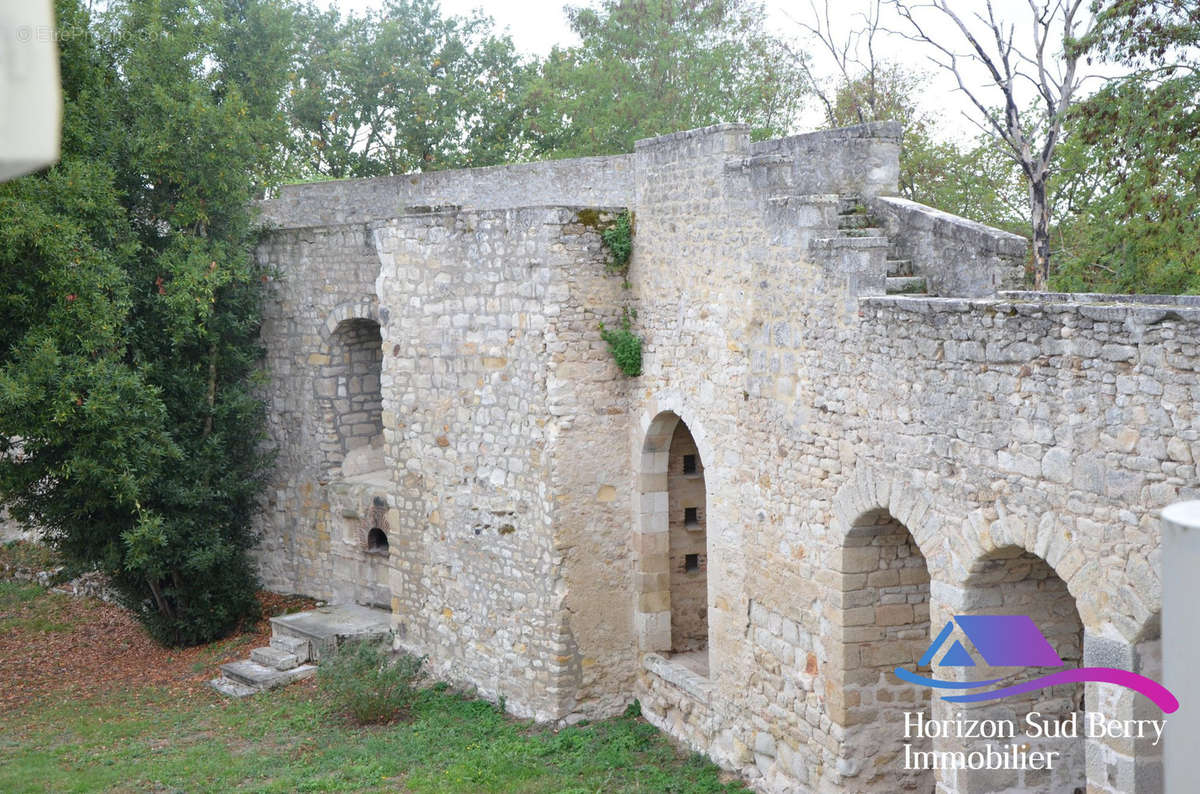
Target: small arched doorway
671	544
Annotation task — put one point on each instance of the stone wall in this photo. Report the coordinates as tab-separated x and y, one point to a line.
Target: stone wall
585	181
865	458
956	256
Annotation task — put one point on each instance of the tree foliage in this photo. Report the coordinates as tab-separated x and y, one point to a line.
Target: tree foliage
1137	228
130	319
648	67
403	89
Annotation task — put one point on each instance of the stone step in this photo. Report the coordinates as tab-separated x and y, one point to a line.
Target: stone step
232	689
273	657
327	628
256	675
899	267
905	285
297	646
848	205
865	231
855	220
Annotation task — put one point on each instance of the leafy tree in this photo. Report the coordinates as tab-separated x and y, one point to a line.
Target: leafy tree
403	89
130	318
1137	228
648	67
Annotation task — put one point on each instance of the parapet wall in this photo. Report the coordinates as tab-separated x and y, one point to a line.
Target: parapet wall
956	256
586	182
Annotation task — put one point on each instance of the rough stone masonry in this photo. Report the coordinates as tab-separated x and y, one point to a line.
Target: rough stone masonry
882	435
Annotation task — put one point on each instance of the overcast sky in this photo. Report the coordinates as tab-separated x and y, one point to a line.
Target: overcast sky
537	25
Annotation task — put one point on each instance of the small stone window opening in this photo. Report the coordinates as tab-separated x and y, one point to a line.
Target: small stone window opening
377	542
691	563
691	516
689	464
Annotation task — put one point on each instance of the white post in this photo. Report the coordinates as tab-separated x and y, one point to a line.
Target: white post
30	97
1181	642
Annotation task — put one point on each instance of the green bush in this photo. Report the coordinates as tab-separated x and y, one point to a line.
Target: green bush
368	686
626	346
618	238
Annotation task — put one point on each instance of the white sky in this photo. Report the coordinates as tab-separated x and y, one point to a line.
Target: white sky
537	25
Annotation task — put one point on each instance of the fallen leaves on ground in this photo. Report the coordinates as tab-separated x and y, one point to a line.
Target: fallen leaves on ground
58	646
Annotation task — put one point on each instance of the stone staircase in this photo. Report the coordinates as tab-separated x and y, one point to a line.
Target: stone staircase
854	220
298	642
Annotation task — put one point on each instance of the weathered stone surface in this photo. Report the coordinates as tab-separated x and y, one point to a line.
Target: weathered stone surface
873	465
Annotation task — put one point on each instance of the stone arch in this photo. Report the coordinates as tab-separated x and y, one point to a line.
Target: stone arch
881	621
1007	579
869	490
657	470
348	389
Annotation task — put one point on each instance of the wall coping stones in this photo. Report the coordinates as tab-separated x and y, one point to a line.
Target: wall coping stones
695	685
1053	303
337	202
687	135
977	236
872	129
1100	297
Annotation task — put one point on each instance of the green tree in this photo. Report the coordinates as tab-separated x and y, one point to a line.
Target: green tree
130	320
1137	226
648	67
403	89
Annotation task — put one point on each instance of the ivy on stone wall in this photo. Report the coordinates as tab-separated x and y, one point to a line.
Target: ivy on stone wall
618	238
626	346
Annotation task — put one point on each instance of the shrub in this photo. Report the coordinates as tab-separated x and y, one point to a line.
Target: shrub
625	345
618	238
370	687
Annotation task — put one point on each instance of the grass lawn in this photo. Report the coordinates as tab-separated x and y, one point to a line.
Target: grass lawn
139	732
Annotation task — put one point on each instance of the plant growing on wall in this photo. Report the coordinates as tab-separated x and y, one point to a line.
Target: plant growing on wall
618	238
625	345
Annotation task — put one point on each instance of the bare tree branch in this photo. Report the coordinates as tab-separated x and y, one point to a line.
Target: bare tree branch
1053	23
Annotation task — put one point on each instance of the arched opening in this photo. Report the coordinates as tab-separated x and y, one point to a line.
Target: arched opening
348	388
1012	581
885	625
377	542
671	543
688	546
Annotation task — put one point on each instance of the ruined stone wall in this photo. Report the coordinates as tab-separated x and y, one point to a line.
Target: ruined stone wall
1058	426
584	182
526	486
479	306
957	256
321	277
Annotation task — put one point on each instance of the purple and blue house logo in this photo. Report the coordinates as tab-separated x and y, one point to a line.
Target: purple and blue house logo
1016	641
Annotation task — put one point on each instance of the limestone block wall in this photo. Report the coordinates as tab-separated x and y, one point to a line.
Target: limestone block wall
322	277
584	181
1055	426
480	308
872	465
957	257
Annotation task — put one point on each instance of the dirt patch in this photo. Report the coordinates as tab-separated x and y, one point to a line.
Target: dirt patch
57	646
